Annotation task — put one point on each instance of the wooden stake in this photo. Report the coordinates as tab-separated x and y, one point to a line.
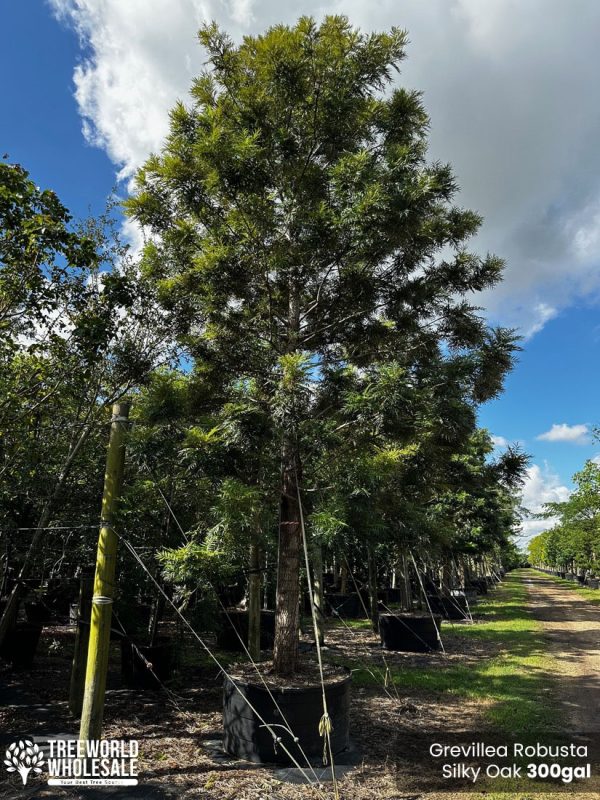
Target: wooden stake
104	582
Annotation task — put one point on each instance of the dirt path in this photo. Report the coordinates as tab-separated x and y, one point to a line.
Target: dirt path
572	625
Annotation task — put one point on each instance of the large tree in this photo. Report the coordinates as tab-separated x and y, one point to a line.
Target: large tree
72	340
298	229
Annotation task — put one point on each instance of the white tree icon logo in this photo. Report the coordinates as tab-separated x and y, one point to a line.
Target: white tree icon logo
24	757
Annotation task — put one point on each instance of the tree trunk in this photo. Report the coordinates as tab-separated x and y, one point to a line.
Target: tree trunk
318	598
407	599
82	637
156	613
344	577
447	577
373	610
285	651
254	582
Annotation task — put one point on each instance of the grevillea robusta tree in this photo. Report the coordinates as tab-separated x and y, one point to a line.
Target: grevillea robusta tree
297	228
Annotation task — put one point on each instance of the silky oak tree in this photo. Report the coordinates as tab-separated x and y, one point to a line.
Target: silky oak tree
294	226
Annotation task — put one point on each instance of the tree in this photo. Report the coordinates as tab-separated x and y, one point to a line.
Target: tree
297	229
574	539
74	340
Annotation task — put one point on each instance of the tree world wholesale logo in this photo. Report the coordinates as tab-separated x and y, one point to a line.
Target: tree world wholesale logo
24	757
109	762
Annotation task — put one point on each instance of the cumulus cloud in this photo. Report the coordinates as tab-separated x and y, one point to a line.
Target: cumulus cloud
499	441
575	434
541	486
510	87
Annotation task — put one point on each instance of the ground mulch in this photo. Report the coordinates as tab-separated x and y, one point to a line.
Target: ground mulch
179	731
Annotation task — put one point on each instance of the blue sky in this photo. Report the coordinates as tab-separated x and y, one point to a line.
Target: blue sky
514	107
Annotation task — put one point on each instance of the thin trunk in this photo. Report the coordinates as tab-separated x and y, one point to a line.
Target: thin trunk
82	637
447	577
156	613
373	590
287	618
265	583
287	601
408	595
344	578
6	567
318	598
254	582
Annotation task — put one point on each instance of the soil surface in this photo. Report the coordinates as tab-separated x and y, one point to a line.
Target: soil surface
572	627
307	675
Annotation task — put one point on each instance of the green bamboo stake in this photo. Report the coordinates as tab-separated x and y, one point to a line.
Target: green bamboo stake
104	582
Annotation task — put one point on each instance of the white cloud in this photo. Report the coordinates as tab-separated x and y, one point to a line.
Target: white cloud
499	441
510	86
541	486
542	313
576	434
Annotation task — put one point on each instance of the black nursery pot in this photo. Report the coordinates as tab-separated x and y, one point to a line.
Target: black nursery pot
20	644
479	584
347	606
37	613
235	622
245	736
409	633
562	575
137	674
454	608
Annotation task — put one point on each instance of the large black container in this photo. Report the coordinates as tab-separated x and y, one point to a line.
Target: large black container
479	584
593	583
245	736
347	606
137	674
409	632
37	612
20	644
235	622
454	607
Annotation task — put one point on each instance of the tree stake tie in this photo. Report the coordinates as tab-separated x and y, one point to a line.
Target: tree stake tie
101	600
325	728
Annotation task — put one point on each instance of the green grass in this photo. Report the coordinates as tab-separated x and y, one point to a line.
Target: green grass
354	624
514	676
592	595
